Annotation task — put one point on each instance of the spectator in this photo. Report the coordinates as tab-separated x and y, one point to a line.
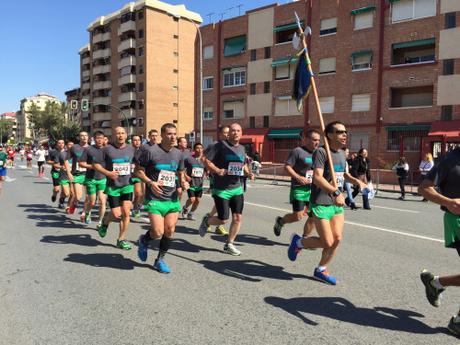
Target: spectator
349	200
257	156
425	166
362	171
402	170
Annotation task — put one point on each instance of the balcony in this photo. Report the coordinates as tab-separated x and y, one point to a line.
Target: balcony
101	53
127	96
86	123
127	26
98	85
101	37
130	43
127	79
86	60
85	73
127	61
85	86
129	113
107	131
102	117
102	69
102	100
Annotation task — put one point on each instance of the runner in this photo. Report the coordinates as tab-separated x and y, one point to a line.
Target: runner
223	135
444	177
136	181
53	160
3	162
158	167
95	182
225	160
22	152
299	167
76	172
118	159
11	153
194	172
182	145
63	181
326	202
41	153
29	156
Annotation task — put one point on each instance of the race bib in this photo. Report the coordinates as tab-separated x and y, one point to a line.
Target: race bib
309	176
340	179
167	178
235	169
1	163
80	168
122	169
197	172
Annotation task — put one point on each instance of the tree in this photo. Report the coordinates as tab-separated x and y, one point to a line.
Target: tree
6	129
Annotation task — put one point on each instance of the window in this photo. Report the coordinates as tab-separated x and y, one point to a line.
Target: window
285	35
175	104
327	65
234	77
358	141
411	52
141	33
140	15
419	96
141	87
412	9
286	106
450	20
266	121
267	52
446	113
361	60
234	46
252	88
252	122
266	87
176	54
361	102
127	70
140	105
327	104
364	20
233	109
253	54
127	17
208	52
208	113
175	70
141	69
409	140
328	26
140	51
208	83
448	67
176	37
140	121
285	71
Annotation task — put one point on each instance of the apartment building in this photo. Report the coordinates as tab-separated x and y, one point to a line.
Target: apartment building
138	69
24	130
377	66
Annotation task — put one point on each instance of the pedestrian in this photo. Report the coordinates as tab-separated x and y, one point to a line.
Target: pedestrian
3	162
441	186
362	171
41	160
425	166
351	160
402	171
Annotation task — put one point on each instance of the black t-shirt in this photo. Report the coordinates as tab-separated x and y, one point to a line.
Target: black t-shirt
78	154
195	169
301	160
94	154
118	159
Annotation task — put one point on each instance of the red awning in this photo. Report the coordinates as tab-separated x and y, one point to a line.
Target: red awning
449	129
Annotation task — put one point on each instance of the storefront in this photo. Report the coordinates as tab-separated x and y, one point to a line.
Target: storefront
443	137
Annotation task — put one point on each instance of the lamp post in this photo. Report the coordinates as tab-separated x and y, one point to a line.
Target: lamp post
201	68
120	111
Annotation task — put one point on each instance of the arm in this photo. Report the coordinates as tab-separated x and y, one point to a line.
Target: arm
213	169
154	186
321	182
354	180
301	179
248	172
68	170
182	180
428	191
110	174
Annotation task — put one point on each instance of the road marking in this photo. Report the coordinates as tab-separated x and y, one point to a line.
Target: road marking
9	179
393	209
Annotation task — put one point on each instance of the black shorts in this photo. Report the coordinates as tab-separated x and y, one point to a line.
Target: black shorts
40	164
115	201
223	206
298	205
56	181
195	193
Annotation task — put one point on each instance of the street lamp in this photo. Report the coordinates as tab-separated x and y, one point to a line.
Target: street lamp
120	111
175	15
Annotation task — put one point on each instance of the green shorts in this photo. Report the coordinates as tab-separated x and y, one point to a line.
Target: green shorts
80	179
300	194
118	191
324	211
93	185
64	182
135	180
451	229
162	207
227	194
196	188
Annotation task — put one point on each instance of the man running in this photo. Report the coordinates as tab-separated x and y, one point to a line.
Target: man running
136	181
225	160
66	191
299	167
11	153
158	167
53	160
3	162
118	159
194	173
41	160
326	202
444	177
95	182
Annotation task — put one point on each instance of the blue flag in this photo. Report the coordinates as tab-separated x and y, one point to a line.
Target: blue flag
302	80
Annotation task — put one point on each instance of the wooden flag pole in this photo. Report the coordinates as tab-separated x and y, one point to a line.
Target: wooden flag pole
318	107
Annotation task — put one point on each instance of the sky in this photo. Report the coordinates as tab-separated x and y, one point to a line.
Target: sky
40	40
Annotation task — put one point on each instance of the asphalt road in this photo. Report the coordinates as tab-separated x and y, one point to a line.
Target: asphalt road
62	284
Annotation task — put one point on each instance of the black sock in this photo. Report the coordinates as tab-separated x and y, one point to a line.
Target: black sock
61	200
165	243
146	238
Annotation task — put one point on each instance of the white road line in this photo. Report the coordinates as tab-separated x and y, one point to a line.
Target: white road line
393	209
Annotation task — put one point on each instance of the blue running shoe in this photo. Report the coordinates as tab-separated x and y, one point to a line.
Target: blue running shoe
293	250
141	249
161	266
324	277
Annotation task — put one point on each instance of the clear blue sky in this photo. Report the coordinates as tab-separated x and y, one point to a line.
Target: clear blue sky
40	40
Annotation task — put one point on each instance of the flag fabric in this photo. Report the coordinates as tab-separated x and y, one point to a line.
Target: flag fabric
302	79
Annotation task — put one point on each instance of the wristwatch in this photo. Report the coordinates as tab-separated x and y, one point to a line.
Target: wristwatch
336	193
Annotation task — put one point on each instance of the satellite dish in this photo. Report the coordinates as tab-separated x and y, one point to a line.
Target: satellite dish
296	41
307	31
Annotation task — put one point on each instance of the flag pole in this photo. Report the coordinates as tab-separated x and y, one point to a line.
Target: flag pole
318	105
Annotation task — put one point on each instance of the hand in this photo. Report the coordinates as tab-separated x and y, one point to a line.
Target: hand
155	187
185	185
251	176
70	176
302	180
362	185
188	178
113	175
222	172
454	206
339	200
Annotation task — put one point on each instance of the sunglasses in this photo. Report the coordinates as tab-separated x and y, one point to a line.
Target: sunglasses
341	132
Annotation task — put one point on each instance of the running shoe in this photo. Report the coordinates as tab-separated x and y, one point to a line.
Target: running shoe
71	209
184	212
324	277
137	213
141	249
82	217
88	218
61	206
220	230
53	198
454	327
293	249
161	266
123	244
204	227
278	226
102	229
230	248
191	216
432	294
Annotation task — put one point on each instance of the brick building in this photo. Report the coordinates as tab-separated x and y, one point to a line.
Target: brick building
377	66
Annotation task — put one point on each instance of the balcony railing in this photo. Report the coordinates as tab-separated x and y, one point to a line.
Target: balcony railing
127	26
102	117
101	53
130	43
85	73
102	69
127	79
85	86
127	96
86	60
99	85
102	100
101	37
127	61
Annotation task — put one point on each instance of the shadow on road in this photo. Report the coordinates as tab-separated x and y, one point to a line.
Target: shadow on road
54	221
79	239
250	239
41	182
345	311
116	261
36	208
